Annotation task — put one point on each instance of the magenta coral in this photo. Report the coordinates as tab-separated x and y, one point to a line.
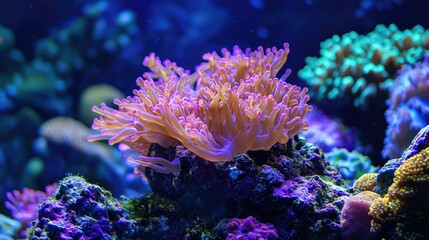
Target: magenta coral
355	221
250	228
328	133
238	105
24	205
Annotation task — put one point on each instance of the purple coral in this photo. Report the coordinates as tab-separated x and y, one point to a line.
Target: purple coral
328	133
408	110
303	191
420	142
386	173
355	221
24	205
80	210
250	229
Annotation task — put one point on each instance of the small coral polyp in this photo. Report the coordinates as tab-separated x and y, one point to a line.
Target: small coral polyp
232	104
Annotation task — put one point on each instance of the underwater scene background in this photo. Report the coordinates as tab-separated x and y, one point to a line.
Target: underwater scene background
205	119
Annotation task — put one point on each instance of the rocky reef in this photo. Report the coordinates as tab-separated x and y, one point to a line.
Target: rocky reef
289	192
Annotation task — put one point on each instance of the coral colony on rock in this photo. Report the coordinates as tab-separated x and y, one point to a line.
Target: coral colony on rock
333	147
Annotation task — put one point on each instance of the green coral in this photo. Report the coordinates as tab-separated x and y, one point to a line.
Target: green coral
95	95
355	68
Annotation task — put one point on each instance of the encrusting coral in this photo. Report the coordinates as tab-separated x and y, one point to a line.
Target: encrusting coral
230	105
405	206
366	182
249	228
80	210
402	210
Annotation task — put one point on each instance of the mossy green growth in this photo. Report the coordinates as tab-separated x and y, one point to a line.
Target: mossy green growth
143	208
151	211
162	216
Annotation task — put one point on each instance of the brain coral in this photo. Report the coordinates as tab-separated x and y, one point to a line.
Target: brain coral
355	68
408	110
355	222
238	105
366	182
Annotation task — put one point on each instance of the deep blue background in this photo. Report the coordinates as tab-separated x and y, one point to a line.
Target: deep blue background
226	23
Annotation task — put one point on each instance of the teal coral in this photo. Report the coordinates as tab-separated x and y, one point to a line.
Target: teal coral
6	38
356	68
8	227
351	165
